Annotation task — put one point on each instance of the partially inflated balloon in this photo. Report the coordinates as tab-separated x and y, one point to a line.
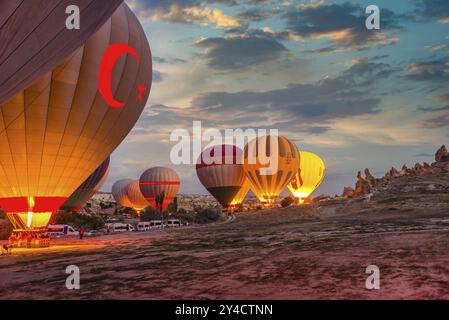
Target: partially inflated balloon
309	176
270	163
56	132
137	200
120	192
220	170
88	188
159	186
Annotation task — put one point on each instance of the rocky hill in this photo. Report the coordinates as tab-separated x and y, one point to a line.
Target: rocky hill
421	178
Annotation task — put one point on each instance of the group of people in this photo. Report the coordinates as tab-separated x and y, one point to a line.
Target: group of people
28	239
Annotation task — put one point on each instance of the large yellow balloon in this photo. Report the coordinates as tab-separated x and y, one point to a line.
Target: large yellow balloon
56	132
309	176
267	183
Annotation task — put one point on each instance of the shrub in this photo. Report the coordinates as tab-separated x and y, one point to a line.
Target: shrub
79	220
208	215
286	202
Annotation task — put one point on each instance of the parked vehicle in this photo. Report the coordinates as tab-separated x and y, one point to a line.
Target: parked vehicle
173	223
156	224
119	227
61	230
143	226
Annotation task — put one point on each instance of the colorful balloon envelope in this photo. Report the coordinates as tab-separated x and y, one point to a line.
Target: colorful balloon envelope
88	188
309	176
159	186
57	131
35	38
220	170
120	192
135	196
270	163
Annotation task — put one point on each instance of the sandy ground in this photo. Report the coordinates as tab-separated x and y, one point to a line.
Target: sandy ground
313	252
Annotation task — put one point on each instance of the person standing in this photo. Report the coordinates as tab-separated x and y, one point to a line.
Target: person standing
81	232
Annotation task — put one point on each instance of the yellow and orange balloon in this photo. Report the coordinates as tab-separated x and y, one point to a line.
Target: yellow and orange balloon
270	163
309	176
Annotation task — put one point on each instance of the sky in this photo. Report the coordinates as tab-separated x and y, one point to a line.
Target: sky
358	98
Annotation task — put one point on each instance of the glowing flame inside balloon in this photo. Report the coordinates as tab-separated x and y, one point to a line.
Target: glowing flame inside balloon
110	57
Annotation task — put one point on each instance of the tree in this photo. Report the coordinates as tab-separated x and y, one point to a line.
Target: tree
149	213
287	201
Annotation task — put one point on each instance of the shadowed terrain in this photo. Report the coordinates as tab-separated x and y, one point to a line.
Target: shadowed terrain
314	251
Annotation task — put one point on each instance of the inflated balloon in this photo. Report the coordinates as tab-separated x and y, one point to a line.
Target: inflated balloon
56	132
270	163
309	176
159	186
241	195
88	188
34	37
220	170
135	197
120	192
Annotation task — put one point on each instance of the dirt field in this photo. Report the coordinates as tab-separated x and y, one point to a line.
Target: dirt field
314	252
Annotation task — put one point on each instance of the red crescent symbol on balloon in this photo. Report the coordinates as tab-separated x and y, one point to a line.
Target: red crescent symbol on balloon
108	61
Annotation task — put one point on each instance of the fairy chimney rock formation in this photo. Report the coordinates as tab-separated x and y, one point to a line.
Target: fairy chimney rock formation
442	155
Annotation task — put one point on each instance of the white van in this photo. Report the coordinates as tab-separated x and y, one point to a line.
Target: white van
173	223
119	227
156	224
61	230
143	226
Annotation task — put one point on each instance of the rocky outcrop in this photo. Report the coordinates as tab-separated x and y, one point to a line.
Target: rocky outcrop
404	180
362	186
442	155
348	192
369	177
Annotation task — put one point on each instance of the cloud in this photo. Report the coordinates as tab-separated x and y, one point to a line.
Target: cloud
423	155
318	103
429	70
157	76
431	11
343	25
240	52
178	11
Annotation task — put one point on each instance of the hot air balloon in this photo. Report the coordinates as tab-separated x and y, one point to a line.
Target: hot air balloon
309	176
159	185
270	163
88	188
220	170
137	200
120	192
57	131
35	38
241	195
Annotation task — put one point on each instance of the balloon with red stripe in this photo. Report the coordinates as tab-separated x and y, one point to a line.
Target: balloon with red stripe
220	170
159	186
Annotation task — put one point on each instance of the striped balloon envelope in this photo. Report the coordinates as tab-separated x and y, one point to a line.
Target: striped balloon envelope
220	170
270	163
88	188
159	186
309	176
